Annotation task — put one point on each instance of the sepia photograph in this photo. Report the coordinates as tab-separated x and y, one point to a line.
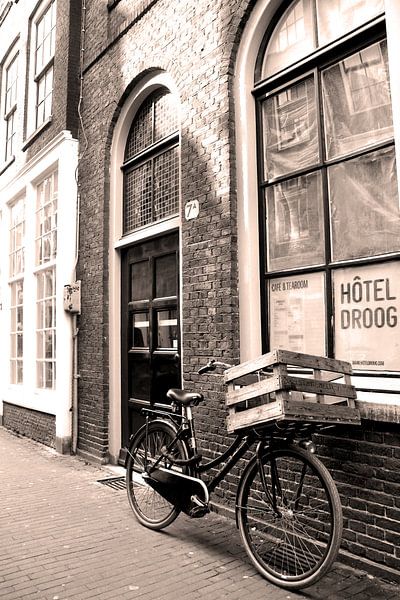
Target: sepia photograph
200	299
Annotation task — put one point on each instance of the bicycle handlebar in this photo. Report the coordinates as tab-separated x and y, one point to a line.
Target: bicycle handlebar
212	365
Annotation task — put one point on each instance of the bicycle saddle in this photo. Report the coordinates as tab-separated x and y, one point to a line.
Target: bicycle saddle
185	398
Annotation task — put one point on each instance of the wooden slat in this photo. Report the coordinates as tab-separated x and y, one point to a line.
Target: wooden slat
302	384
305	411
298	359
266	360
253	416
266	386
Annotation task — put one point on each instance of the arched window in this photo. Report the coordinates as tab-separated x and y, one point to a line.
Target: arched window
151	163
330	226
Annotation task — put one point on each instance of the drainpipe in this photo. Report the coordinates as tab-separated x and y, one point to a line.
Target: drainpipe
75	329
75	377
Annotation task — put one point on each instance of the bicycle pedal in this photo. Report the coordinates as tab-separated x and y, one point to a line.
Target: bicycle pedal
198	511
198	508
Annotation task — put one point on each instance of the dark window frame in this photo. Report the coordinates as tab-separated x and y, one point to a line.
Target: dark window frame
314	63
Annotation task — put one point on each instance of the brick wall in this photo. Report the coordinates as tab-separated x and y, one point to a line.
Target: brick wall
195	42
36	425
365	464
199	60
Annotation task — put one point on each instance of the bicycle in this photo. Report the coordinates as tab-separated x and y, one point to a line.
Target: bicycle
288	509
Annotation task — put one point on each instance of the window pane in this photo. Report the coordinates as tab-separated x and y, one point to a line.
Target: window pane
46	220
45	329
140	281
165	269
140	330
297	313
11	85
139	378
337	17
166	184
167	327
364	200
138	190
290	129
165	116
16	332
295	223
292	39
367	310
357	105
141	132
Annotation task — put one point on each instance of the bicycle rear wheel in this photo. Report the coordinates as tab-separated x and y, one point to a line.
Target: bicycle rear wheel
149	507
290	517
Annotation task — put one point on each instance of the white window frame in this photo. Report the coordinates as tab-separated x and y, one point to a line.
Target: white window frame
41	68
45	263
16	278
9	91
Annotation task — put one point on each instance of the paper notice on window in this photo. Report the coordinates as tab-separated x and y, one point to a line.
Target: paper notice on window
367	313
297	313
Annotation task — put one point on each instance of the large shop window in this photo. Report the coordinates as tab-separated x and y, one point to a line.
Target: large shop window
151	163
330	233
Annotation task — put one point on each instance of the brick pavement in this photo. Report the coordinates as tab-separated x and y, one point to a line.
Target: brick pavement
64	536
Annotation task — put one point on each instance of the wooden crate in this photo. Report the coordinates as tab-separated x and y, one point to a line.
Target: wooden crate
266	389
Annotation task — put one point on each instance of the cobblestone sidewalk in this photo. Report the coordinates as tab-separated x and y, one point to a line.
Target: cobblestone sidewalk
65	536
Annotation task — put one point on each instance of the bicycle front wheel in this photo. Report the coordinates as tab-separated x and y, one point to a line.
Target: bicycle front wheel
149	507
290	517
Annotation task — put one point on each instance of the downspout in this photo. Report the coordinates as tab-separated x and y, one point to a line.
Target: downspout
75	329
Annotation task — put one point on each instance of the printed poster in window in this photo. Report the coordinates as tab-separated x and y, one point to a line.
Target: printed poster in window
367	311
297	313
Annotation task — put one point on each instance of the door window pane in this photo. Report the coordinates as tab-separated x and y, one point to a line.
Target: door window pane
165	272
140	330
357	105
140	281
338	17
290	129
167	328
364	204
292	39
297	313
295	223
139	377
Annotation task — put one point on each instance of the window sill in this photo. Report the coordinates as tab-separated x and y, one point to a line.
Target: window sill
36	133
7	164
386	413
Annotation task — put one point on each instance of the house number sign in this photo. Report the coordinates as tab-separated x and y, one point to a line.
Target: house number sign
192	210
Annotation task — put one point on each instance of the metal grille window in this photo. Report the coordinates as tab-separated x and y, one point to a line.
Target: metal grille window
10	105
151	163
44	58
328	173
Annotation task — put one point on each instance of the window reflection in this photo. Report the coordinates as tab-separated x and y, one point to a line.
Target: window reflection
290	129
295	223
337	17
292	39
167	327
140	330
357	101
363	194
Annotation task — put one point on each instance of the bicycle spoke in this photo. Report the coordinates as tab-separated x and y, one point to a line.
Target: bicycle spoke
288	532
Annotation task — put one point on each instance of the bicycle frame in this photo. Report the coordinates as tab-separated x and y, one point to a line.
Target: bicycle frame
185	430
